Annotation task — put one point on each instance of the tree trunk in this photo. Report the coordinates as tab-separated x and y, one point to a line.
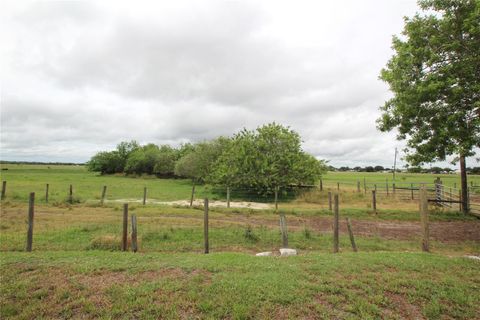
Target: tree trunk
464	185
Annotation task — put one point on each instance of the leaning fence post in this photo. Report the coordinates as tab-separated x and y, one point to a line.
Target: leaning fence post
125	227
205	226
374	201
424	218
46	193
134	233
144	195
335	224
193	194
350	233
31	205
330	201
104	192
321	184
4	189
283	230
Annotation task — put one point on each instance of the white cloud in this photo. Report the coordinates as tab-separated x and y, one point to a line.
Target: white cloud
78	77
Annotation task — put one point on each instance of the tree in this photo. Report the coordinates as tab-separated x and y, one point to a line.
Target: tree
106	162
199	162
165	161
265	159
143	160
124	149
435	78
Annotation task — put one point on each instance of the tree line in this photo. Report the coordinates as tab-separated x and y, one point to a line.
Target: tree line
263	159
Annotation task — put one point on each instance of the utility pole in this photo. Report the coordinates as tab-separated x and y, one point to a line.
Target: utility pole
395	164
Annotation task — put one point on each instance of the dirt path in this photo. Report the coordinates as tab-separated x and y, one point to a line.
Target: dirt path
442	231
211	203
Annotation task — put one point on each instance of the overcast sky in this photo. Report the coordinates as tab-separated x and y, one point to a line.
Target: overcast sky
78	77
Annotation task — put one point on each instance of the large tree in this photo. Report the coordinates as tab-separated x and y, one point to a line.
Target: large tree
265	159
434	75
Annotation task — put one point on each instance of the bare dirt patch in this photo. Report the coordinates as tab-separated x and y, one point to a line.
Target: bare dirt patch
198	203
401	306
452	231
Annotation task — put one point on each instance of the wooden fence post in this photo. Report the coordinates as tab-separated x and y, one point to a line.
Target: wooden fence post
276	198
386	185
350	233
205	226
46	192
70	195
134	233
358	186
283	230
460	205
335	224
228	197
394	189
338	186
330	201
424	218
104	192
31	206
374	201
411	188
144	195
193	194
4	189
125	227
438	191
365	185
321	184
468	199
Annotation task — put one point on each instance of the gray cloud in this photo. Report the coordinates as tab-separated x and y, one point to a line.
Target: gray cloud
78	77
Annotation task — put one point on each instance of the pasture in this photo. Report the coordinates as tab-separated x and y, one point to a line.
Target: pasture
76	268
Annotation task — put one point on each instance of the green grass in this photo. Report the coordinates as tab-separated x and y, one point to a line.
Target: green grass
66	277
87	186
23	179
350	179
238	286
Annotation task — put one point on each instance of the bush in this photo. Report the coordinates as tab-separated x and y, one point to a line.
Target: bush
249	235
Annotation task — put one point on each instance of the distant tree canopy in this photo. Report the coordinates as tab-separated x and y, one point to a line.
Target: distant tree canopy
263	159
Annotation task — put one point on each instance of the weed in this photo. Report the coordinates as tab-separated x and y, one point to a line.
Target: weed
250	235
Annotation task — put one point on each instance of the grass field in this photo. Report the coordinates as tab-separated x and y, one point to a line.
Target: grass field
77	271
87	186
238	286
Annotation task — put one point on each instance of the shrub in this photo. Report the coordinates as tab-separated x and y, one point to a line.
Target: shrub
249	235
